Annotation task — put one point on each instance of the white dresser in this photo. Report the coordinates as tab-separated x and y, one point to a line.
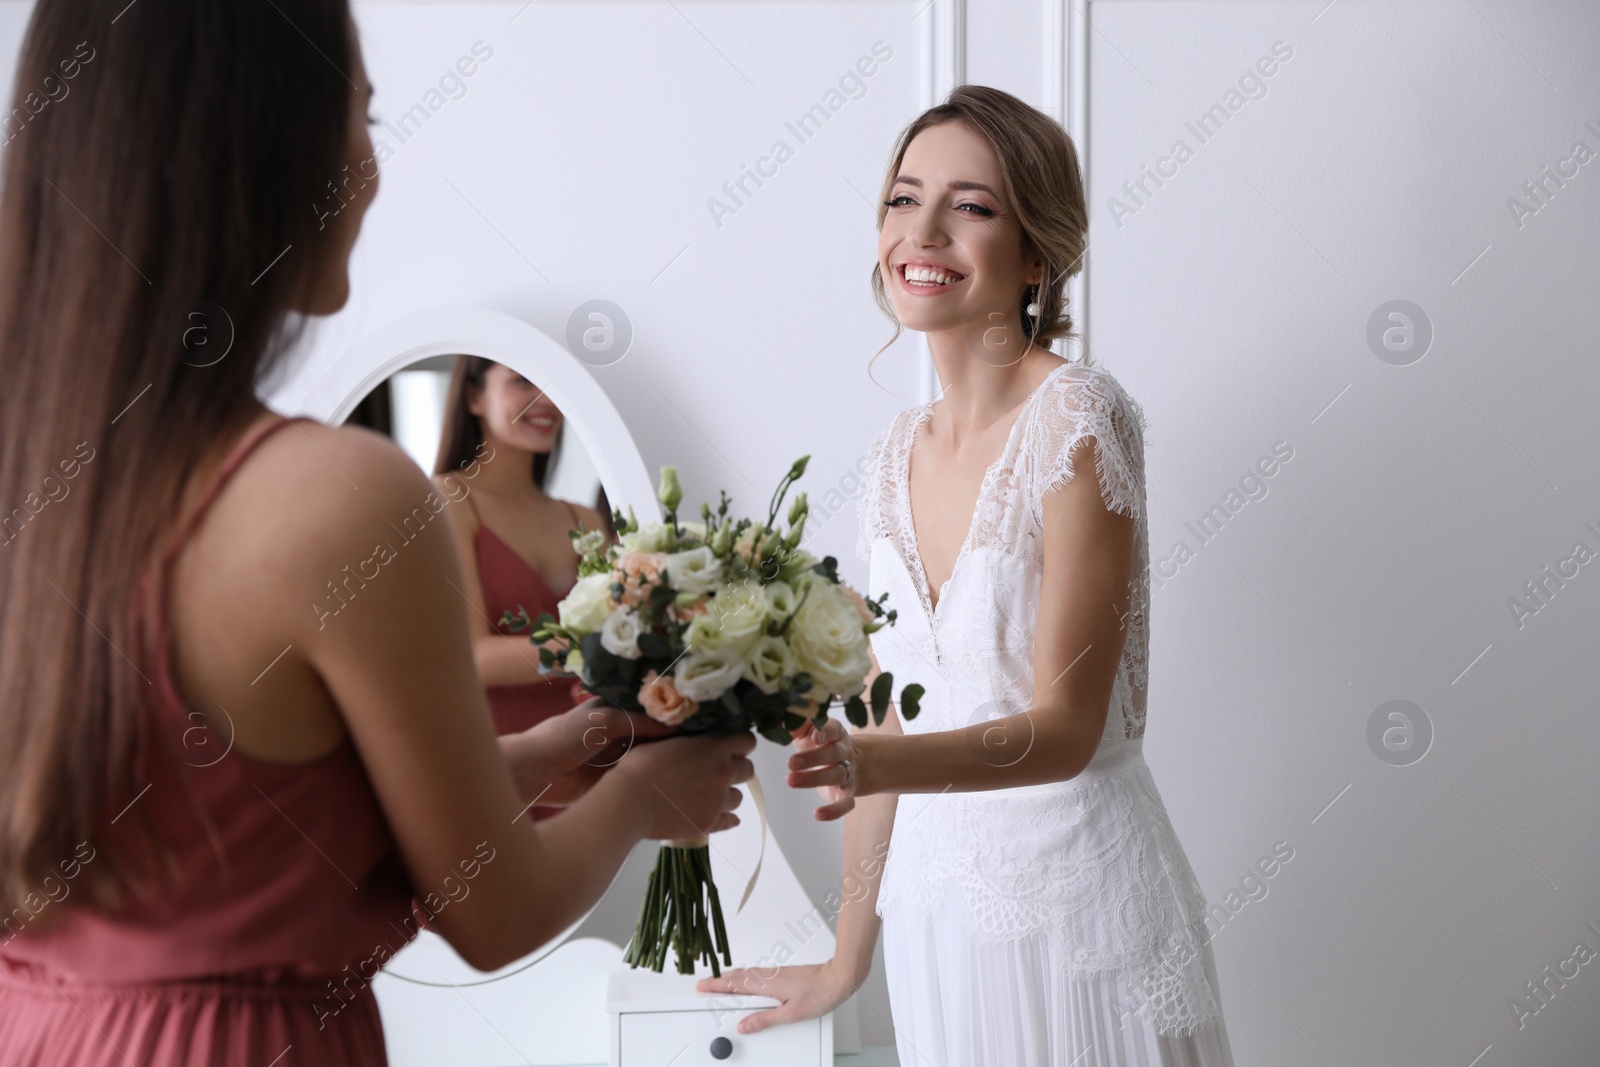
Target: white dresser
660	1019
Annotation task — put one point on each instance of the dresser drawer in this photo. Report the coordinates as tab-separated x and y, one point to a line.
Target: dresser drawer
686	1039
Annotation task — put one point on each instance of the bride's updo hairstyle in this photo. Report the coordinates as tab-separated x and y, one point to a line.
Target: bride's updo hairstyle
1039	167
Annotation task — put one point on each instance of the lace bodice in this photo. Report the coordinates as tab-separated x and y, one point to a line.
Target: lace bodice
1072	404
1092	862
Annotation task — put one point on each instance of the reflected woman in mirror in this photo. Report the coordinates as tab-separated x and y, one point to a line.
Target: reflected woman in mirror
227	797
499	445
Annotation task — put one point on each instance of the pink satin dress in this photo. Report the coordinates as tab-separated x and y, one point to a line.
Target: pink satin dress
296	896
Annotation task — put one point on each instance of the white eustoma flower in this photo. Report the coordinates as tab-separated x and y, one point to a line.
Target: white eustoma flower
703	634
768	663
585	608
620	634
703	676
781	599
695	570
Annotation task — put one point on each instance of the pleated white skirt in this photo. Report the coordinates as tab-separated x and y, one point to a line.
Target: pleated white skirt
958	1003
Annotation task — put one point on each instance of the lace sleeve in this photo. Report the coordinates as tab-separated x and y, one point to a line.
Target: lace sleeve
869	506
1081	406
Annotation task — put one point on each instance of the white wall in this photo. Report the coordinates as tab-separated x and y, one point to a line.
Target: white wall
1380	563
1234	302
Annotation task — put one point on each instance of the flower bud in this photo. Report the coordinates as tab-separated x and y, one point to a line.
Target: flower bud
670	492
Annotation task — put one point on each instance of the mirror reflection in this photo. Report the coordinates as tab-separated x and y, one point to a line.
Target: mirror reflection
494	441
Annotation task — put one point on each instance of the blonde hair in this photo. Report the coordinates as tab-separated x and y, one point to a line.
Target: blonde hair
1042	183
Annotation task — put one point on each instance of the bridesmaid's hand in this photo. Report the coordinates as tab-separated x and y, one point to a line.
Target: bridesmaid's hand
828	759
559	759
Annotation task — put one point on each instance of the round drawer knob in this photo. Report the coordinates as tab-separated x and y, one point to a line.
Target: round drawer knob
721	1048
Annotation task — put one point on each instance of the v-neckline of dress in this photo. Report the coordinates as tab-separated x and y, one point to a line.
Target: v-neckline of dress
545	585
919	576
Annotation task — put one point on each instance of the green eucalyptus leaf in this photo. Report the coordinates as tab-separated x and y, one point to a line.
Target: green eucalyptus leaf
882	687
910	697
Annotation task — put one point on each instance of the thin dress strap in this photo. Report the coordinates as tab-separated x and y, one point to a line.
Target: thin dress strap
240	452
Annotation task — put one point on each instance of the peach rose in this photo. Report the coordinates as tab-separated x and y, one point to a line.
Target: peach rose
662	701
859	601
639	569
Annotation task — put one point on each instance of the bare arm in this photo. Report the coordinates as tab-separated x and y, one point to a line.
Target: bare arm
867	831
399	667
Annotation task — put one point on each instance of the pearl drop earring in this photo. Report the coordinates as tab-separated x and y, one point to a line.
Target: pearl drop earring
1033	308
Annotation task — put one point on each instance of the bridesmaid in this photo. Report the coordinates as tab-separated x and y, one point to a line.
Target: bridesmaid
224	790
500	441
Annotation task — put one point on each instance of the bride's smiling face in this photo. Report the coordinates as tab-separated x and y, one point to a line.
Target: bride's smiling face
947	217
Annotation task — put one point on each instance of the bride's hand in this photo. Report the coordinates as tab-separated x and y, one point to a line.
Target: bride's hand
558	759
829	760
805	992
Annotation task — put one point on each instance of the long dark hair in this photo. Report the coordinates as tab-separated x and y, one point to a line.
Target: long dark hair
162	176
461	436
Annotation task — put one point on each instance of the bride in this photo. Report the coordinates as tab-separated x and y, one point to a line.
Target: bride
1035	904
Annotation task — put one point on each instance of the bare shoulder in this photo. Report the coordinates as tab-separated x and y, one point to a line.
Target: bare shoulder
344	472
314	496
297	535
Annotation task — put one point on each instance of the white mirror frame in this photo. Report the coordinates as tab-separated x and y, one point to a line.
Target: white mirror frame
504	339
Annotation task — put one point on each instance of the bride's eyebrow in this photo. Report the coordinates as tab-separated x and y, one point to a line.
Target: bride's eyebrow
954	185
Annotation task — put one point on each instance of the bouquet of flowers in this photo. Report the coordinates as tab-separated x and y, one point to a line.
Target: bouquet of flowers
717	626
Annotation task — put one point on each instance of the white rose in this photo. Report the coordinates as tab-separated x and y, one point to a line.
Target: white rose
694	533
741	611
695	570
768	663
620	634
705	675
649	537
585	608
827	639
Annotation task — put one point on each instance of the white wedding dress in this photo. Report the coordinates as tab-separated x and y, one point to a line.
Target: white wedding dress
1057	925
